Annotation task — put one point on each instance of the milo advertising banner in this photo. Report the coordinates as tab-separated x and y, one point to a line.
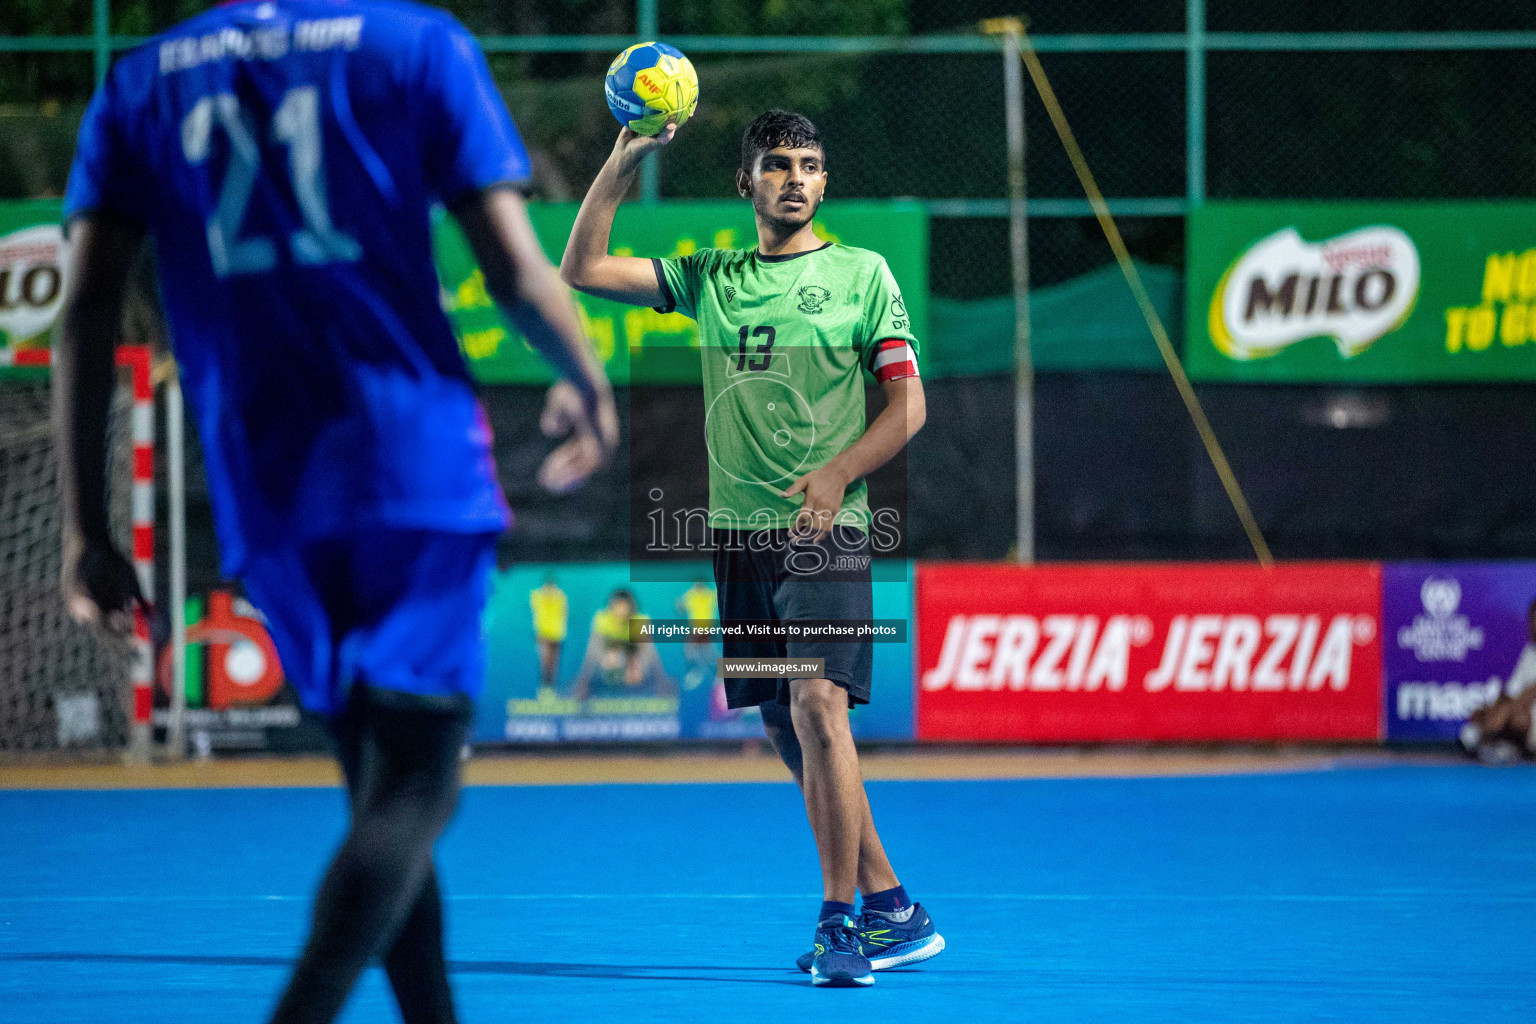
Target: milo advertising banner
1455	636
562	664
32	265
640	344
1362	292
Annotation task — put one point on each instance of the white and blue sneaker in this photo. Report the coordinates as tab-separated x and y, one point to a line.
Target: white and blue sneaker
886	942
836	961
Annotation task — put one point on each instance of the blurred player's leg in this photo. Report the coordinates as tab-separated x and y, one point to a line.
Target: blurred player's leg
401	758
417	969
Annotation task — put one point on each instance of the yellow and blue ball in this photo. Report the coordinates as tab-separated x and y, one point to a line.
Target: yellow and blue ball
650	84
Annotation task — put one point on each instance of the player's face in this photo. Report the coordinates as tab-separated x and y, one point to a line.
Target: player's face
786	185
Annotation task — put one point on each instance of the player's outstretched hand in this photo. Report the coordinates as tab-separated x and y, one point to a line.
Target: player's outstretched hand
632	147
101	587
593	425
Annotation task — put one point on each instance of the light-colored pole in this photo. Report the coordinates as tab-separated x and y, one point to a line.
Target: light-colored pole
646	24
1194	102
101	38
1018	242
175	455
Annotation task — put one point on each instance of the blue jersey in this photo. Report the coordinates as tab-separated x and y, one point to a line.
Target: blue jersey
286	155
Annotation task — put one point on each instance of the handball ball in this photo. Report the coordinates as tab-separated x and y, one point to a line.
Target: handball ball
650	84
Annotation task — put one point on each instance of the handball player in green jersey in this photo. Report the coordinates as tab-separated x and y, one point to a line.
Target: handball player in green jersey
786	332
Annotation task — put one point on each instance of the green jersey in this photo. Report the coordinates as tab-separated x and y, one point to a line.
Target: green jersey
785	341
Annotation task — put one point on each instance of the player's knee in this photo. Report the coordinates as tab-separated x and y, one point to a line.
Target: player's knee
820	710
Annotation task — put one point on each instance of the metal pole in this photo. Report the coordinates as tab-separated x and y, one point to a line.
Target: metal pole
1018	240
650	170
175	454
1194	100
101	38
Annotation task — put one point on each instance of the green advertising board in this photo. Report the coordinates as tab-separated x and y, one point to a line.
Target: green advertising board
638	344
1361	292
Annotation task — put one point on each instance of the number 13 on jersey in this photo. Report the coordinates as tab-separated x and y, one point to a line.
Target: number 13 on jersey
763	348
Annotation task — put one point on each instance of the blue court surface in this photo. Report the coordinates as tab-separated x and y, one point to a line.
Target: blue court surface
1396	893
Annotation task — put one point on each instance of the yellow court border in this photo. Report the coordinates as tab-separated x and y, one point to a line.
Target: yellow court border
545	768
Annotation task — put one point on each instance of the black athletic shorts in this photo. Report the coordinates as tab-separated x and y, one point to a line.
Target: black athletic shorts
759	575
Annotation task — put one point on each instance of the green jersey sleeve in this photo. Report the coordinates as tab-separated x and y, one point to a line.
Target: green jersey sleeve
680	281
885	339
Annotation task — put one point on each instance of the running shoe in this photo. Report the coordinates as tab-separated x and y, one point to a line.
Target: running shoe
836	961
886	943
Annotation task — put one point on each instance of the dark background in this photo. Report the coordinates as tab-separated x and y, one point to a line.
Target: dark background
1384	472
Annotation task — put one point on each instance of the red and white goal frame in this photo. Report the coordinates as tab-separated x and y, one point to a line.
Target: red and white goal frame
137	360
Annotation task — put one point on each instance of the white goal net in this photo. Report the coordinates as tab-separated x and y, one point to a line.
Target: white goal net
63	687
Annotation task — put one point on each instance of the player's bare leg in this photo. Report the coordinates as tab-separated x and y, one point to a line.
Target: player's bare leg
833	787
834	803
893	931
875	873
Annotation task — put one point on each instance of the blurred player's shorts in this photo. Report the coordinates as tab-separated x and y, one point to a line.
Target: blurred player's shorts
396	609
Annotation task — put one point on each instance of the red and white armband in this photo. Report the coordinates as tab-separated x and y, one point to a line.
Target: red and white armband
893	359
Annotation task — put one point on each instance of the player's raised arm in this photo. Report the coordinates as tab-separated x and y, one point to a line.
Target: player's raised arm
587	265
99	582
522	282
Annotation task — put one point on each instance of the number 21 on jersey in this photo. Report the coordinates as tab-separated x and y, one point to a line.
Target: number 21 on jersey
295	125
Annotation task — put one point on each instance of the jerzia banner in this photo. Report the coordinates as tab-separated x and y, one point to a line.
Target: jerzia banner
1361	292
1075	653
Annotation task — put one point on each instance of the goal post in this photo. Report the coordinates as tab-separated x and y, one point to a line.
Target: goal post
46	663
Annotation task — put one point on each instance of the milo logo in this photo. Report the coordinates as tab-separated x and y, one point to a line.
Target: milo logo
31	281
1355	289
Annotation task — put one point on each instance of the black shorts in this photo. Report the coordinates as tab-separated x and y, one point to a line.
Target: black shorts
759	575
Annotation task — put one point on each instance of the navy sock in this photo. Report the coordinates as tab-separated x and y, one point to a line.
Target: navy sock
889	901
831	910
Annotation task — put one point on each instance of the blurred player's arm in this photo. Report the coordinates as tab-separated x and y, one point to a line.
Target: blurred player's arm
905	412
587	265
521	281
99	583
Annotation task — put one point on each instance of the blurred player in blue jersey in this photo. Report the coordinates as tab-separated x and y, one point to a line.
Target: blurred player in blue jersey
285	157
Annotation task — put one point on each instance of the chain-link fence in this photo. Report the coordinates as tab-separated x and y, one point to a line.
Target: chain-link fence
1362	99
1174	102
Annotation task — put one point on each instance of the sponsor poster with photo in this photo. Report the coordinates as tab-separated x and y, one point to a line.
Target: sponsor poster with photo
237	697
1454	635
1182	653
559	669
1359	292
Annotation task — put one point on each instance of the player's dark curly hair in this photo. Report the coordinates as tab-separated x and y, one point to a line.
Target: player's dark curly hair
778	128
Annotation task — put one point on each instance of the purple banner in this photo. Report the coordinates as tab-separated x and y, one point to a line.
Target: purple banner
1453	635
